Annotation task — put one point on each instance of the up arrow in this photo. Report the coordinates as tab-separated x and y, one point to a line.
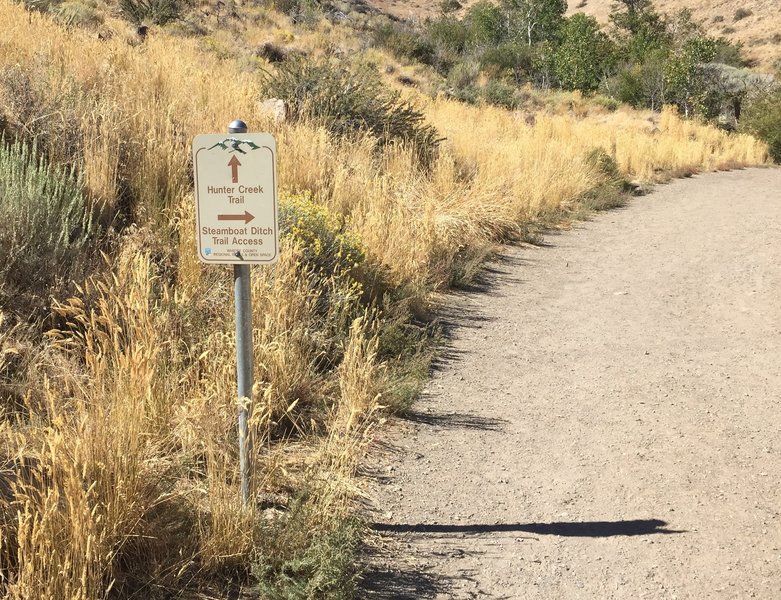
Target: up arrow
234	164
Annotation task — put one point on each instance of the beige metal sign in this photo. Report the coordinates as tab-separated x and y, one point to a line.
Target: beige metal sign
236	198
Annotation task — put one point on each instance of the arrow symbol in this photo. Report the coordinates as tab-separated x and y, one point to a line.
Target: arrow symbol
234	164
246	217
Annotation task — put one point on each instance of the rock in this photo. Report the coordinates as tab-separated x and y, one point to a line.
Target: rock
273	108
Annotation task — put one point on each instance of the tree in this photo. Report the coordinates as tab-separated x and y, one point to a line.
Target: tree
639	29
486	24
629	15
641	84
584	55
534	20
763	119
685	75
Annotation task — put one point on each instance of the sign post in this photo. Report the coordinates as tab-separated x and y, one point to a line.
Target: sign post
235	185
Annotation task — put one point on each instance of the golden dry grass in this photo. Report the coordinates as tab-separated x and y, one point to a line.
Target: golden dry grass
121	472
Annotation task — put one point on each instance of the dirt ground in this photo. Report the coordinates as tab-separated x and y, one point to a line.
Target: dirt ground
606	422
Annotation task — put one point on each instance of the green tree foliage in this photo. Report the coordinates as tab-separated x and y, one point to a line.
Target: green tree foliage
486	24
762	117
647	59
511	58
641	84
639	29
686	79
534	21
584	54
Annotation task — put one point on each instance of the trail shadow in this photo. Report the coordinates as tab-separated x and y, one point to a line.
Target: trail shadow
596	529
383	577
455	421
380	583
464	309
491	274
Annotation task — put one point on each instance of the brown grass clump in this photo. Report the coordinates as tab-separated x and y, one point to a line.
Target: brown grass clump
118	471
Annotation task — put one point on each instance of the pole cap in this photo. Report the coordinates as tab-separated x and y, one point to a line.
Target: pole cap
237	126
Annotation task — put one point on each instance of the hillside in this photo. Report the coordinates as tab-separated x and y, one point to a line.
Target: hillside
118	459
759	31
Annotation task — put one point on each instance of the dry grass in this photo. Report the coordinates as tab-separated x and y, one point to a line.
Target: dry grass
119	465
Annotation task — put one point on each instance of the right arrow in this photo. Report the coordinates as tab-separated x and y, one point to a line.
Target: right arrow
246	217
234	164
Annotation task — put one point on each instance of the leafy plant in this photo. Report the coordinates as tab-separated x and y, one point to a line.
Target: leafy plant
306	564
325	241
158	12
762	118
75	13
350	104
499	93
45	221
534	21
487	24
584	55
405	44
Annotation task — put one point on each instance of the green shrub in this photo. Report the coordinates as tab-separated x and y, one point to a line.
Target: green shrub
500	93
607	102
509	57
349	104
326	242
463	75
450	6
404	44
449	33
729	53
612	191
742	13
486	24
46	224
762	118
307	564
75	13
158	12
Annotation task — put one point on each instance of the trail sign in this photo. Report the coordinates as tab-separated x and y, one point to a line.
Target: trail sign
236	198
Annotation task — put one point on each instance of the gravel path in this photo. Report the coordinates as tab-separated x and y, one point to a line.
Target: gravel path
607	421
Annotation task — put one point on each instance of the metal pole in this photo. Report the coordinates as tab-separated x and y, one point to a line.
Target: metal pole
243	300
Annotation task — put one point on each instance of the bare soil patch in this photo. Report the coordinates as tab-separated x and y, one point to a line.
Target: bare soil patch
605	423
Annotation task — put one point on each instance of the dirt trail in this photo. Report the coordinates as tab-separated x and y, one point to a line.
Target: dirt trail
607	423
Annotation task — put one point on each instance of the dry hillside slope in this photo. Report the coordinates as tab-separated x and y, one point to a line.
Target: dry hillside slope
760	31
